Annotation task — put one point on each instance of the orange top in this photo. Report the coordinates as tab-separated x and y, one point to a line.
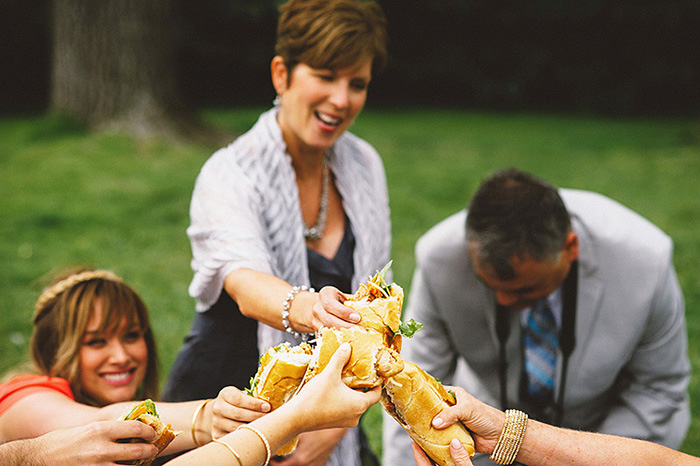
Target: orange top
18	387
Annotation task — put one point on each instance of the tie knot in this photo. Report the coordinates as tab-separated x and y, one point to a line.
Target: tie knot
541	312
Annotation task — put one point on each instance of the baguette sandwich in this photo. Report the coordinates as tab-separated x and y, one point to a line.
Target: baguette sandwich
281	372
413	398
379	305
370	362
145	411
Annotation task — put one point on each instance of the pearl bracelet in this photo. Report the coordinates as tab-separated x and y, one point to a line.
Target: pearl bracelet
511	438
288	304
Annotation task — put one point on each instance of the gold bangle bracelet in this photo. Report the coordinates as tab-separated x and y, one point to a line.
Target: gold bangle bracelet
511	438
262	437
230	448
194	420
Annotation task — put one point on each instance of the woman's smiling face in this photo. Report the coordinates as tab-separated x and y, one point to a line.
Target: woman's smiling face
112	366
318	105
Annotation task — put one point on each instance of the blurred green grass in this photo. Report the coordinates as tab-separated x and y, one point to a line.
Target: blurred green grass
70	196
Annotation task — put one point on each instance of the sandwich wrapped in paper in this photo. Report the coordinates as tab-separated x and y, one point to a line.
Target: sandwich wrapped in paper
145	411
370	361
281	372
414	397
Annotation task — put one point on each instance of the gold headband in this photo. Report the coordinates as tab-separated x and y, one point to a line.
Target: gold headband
50	293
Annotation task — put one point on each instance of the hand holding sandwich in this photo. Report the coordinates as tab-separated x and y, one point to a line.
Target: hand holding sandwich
232	408
259	295
324	402
330	402
329	310
547	445
335	309
95	443
485	424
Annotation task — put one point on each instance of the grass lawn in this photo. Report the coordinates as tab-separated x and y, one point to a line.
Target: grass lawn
74	197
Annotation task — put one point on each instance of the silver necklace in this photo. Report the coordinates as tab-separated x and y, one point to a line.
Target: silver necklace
315	232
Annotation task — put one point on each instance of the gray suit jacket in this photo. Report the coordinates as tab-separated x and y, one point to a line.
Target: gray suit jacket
629	372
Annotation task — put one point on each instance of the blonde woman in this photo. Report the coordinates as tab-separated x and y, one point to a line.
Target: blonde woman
94	352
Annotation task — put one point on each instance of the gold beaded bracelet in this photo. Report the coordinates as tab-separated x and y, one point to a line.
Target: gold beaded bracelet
230	448
268	453
511	438
194	420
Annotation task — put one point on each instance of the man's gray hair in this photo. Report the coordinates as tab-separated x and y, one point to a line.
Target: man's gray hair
515	214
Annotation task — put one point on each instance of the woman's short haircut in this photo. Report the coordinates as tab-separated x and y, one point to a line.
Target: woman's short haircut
331	34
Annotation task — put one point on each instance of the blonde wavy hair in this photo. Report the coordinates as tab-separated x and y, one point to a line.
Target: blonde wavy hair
61	315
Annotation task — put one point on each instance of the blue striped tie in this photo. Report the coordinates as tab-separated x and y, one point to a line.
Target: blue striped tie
541	343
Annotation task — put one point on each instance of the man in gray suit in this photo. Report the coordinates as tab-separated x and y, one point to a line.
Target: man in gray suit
605	276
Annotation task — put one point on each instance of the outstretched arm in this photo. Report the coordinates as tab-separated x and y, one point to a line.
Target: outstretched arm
94	443
547	445
260	296
325	402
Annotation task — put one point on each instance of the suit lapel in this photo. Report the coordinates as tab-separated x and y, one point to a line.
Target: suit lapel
590	292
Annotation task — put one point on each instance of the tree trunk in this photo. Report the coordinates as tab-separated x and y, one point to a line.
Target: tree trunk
113	66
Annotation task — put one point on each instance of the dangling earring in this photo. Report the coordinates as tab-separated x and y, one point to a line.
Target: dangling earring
277	101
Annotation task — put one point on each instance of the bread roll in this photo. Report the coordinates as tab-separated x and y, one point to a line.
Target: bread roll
379	305
281	372
413	398
370	361
145	411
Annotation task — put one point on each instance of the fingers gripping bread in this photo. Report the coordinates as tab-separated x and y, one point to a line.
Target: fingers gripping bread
410	395
379	305
369	362
281	372
145	411
413	398
165	432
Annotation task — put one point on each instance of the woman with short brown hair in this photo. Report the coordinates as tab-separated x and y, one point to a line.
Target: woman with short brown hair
296	204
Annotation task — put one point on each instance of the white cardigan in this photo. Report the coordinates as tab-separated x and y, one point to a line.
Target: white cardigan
245	212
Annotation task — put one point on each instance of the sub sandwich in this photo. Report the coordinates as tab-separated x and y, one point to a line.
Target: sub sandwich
379	305
413	397
145	411
370	361
281	373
